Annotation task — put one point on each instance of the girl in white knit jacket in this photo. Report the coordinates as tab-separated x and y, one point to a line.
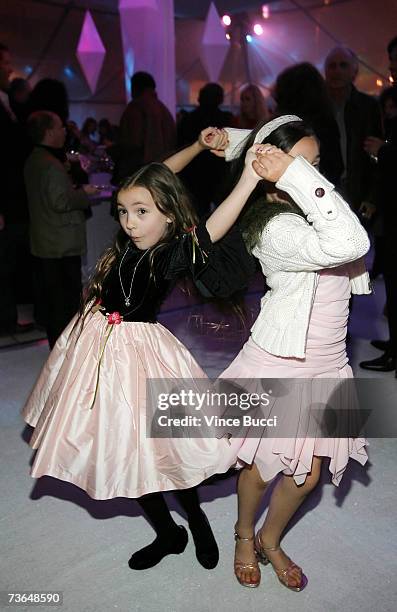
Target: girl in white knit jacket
310	246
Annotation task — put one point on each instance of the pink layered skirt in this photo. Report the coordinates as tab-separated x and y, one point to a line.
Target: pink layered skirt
90	425
325	358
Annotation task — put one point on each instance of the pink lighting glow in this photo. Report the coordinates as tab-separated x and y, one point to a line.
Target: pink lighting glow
258	29
226	20
90	51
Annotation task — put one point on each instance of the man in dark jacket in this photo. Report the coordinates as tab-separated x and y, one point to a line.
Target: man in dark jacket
386	154
358	116
147	129
57	222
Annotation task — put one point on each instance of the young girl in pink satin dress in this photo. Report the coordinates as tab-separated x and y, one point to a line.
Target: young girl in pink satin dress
88	405
309	245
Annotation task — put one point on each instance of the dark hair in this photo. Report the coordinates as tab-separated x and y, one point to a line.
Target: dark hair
171	199
16	85
211	95
168	193
86	123
104	123
38	123
140	81
392	45
50	95
256	213
388	94
301	89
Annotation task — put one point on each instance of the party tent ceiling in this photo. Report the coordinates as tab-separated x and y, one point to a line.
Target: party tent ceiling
43	36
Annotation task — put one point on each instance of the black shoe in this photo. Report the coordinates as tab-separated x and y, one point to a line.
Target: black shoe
382	345
207	551
386	363
161	547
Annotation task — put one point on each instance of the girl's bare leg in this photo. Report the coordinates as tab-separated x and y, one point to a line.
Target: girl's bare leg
284	502
250	491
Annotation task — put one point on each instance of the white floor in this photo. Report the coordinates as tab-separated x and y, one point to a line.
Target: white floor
54	537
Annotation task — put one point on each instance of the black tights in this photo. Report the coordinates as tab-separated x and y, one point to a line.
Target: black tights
156	509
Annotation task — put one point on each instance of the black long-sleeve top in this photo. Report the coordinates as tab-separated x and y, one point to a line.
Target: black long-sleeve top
218	269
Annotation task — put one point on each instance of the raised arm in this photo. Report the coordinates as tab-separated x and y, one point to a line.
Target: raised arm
223	217
333	235
210	138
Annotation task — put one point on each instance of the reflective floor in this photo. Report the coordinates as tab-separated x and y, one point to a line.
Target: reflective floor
54	537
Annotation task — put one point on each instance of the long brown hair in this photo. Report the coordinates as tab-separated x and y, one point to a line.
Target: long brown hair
171	199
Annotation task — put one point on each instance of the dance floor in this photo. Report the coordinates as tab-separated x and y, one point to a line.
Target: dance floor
55	538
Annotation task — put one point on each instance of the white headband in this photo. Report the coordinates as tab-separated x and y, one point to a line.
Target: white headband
237	137
272	125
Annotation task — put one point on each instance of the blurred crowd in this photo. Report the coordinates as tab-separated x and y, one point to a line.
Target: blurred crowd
356	132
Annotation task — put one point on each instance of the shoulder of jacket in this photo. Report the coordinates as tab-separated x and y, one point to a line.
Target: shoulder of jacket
364	98
285	220
39	157
132	107
280	224
42	153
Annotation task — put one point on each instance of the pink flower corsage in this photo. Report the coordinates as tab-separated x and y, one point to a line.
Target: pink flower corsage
114	318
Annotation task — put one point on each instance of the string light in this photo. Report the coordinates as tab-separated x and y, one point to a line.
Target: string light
258	29
226	20
248	38
228	35
379	82
391	80
265	11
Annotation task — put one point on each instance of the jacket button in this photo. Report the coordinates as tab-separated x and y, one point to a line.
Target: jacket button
319	192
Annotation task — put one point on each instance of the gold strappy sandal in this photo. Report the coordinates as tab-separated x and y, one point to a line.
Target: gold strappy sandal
241	566
284	574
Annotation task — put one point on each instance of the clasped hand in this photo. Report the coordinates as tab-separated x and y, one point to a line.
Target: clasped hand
265	161
214	139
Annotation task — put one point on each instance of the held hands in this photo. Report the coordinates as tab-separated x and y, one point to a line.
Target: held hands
214	139
251	157
265	161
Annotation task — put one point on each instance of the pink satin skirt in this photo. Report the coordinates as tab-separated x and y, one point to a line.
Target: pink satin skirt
90	429
325	358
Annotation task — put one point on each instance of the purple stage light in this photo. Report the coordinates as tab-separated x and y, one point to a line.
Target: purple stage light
90	52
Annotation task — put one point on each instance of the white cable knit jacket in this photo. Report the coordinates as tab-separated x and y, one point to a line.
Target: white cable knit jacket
291	252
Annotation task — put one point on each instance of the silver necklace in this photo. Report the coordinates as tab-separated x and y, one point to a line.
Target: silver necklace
127	298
